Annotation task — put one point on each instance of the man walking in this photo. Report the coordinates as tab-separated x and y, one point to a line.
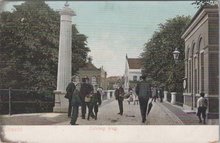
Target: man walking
143	90
69	92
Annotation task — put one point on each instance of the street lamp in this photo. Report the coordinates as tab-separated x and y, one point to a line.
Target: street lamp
176	54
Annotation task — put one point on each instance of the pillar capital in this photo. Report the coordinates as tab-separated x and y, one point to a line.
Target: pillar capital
67	11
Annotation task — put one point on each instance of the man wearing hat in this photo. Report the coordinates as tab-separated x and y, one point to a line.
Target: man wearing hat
69	92
143	90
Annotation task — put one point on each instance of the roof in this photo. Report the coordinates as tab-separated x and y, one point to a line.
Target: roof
89	66
113	78
134	63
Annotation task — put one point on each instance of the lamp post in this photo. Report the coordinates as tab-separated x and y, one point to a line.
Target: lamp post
173	94
176	54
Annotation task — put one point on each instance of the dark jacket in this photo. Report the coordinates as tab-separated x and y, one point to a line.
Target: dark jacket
96	98
70	89
116	93
143	89
75	101
121	93
85	89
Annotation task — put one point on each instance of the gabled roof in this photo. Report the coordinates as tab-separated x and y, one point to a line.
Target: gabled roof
134	63
89	66
113	78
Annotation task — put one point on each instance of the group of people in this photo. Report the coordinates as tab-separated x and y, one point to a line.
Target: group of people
85	95
145	91
157	92
88	96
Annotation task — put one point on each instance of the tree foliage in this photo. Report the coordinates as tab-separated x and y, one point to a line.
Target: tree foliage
159	65
29	46
201	3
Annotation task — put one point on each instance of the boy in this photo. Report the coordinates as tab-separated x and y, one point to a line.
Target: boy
202	106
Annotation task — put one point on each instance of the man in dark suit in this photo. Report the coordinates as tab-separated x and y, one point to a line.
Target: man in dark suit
119	94
69	91
143	90
85	90
76	102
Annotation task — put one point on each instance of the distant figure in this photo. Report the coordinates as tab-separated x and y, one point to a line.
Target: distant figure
154	93
131	96
69	92
119	95
202	104
143	90
75	102
160	93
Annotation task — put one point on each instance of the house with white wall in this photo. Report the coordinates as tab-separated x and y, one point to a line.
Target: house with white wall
133	68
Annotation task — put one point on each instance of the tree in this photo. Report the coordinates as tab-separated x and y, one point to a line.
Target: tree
159	65
201	3
29	47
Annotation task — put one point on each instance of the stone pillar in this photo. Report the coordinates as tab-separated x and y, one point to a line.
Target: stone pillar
65	59
173	97
165	95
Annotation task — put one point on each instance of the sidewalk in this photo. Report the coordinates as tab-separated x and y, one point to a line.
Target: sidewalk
36	118
186	118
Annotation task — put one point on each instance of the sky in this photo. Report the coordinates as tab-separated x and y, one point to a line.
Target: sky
117	28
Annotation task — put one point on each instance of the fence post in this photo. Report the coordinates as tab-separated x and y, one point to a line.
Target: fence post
173	97
9	100
165	95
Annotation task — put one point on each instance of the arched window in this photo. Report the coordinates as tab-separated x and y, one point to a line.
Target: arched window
187	68
193	68
189	71
201	65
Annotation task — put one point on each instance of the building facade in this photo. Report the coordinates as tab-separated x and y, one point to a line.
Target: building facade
133	68
95	75
201	59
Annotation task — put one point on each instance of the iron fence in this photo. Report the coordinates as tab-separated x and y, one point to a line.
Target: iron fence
15	101
179	99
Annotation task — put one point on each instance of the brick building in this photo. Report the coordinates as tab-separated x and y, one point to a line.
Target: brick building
95	75
201	59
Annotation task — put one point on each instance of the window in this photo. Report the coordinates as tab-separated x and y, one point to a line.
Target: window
202	72
135	78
